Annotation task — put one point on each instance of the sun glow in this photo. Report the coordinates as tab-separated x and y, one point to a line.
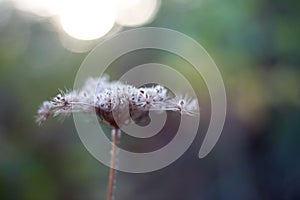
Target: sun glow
136	12
43	8
92	19
88	19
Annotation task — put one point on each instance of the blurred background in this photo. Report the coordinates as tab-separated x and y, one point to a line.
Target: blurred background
255	44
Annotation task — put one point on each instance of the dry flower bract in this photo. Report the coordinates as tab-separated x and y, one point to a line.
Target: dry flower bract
114	102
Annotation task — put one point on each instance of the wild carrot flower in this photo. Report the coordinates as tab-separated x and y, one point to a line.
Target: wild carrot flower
114	102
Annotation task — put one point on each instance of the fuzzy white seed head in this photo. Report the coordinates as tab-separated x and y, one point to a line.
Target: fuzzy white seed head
105	98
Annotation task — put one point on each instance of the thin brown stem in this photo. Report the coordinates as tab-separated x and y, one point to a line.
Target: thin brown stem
112	173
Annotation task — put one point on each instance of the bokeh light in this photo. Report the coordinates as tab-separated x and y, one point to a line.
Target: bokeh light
88	19
43	8
92	19
136	12
82	46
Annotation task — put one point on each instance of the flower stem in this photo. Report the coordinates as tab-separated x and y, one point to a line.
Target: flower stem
112	173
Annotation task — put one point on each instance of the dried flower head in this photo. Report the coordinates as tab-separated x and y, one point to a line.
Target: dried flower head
114	102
